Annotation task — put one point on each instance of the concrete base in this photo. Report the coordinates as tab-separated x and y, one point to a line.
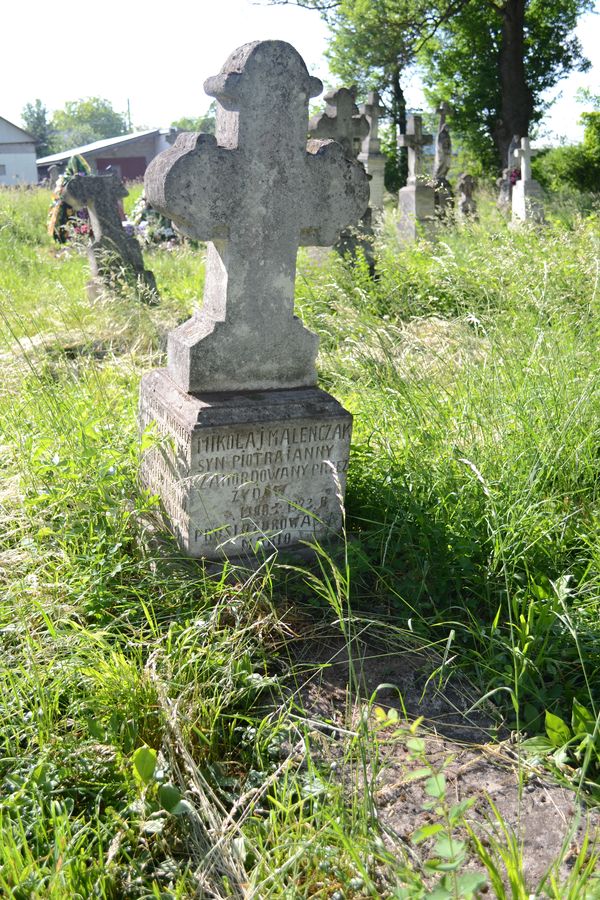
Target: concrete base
416	205
237	470
527	202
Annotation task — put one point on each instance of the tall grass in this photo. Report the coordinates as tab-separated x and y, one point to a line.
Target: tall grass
473	521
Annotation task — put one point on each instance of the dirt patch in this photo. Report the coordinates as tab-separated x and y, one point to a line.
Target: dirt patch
480	760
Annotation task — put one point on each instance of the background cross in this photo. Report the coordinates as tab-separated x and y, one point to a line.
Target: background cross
341	121
414	140
523	154
102	195
372	110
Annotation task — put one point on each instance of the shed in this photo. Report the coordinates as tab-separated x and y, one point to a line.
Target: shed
128	154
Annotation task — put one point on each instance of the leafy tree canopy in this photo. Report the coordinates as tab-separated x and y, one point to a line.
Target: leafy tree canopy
204	123
35	121
86	120
474	59
492	59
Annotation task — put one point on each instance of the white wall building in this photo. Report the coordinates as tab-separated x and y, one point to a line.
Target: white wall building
17	155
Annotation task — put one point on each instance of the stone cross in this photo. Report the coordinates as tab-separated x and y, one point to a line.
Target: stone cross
370	155
341	121
113	248
255	191
372	110
523	154
53	176
527	205
466	188
414	140
515	143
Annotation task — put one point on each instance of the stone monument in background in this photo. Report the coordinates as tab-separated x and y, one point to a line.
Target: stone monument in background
115	256
444	195
370	154
467	206
253	452
416	201
526	193
509	177
341	121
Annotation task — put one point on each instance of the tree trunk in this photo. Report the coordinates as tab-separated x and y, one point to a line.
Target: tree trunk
517	101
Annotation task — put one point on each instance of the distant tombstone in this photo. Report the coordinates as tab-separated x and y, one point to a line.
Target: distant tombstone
444	195
526	193
253	452
342	122
115	256
416	201
509	176
53	176
370	155
467	207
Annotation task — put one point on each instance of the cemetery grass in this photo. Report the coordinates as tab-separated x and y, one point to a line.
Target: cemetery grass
157	733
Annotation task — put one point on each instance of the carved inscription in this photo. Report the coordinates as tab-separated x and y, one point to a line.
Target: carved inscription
227	488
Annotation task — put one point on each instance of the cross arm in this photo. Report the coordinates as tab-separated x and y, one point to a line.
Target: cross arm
193	184
337	194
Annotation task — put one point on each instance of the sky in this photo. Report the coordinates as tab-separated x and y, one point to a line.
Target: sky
156	55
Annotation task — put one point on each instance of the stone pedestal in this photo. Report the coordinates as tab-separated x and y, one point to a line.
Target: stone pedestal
527	202
416	206
375	166
237	469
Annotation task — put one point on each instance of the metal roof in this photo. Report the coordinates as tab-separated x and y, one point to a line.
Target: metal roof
96	145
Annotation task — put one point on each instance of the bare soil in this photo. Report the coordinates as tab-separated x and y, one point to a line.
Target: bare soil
481	760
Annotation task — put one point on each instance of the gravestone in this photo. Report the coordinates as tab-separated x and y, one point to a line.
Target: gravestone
444	195
115	256
370	155
53	176
342	122
416	201
467	206
253	452
526	193
509	176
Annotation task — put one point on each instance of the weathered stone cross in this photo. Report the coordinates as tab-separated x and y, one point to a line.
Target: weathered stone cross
370	155
112	246
341	121
255	191
372	110
415	140
523	154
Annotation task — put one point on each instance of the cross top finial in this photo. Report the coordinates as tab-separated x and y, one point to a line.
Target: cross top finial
255	191
414	140
341	121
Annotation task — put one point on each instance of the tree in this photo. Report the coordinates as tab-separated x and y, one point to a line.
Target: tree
576	166
493	60
87	120
35	120
205	123
373	45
